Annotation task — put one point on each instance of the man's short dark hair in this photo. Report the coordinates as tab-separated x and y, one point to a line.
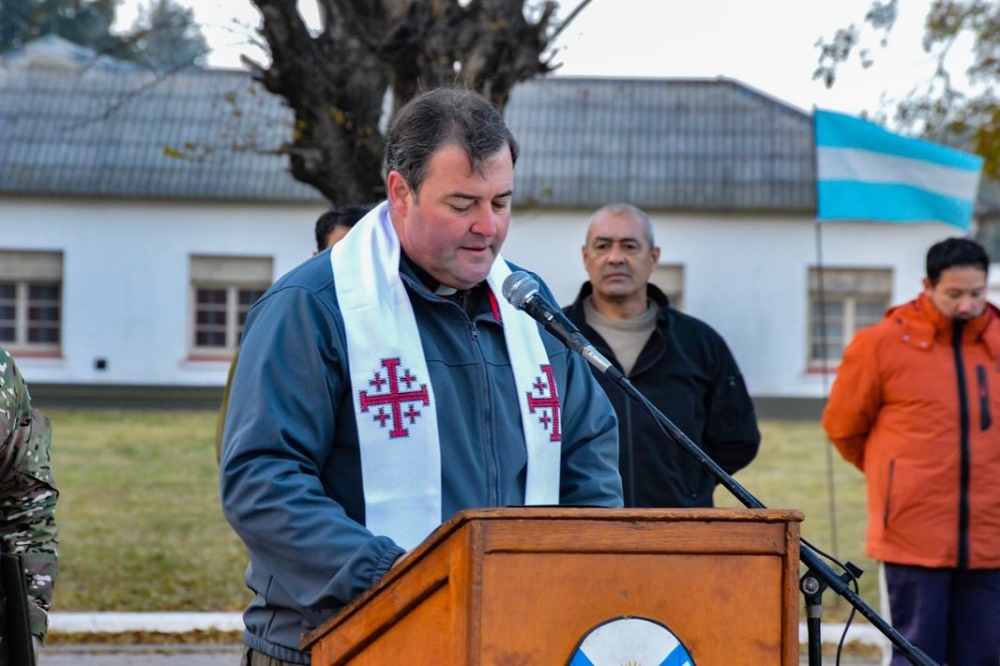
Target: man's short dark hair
340	216
953	252
439	117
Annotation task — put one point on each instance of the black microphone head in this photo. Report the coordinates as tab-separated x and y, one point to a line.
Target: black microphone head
518	288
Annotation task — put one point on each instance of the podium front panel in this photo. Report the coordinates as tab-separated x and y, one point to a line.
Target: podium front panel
526	586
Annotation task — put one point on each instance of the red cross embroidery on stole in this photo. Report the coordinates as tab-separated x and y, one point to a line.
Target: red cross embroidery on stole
547	403
395	398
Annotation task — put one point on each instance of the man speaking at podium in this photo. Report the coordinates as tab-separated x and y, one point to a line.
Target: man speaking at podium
388	385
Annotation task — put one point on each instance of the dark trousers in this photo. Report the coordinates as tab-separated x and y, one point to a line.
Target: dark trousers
953	615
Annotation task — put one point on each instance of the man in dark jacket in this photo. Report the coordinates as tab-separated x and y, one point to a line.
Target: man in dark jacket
678	362
383	387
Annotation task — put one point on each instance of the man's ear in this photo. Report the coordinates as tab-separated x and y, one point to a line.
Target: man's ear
399	193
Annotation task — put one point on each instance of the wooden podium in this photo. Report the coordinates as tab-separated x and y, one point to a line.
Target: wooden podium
526	585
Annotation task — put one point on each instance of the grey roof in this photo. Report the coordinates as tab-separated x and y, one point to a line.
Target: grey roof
700	144
214	134
199	134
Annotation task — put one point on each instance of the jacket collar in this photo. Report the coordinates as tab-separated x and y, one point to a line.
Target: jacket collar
923	323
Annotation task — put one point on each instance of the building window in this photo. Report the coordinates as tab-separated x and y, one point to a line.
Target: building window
670	279
223	289
842	301
31	301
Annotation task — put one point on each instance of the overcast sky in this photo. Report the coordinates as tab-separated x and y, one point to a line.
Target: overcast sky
767	44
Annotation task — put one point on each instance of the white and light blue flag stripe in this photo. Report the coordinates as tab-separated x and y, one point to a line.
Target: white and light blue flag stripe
865	172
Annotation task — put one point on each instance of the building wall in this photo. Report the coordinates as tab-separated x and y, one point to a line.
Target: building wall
126	277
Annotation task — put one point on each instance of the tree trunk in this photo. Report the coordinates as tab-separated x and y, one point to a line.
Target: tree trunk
336	81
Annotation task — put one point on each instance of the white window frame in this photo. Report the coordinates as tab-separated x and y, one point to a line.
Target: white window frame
850	288
25	269
235	276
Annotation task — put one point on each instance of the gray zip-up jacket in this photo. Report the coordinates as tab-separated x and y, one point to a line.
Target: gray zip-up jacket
291	480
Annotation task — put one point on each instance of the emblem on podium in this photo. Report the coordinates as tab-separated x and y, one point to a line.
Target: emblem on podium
630	640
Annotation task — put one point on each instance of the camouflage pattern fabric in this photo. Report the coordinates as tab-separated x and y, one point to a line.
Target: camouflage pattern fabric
27	491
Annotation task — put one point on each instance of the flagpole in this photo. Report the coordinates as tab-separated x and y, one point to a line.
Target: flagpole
825	370
824	355
810	583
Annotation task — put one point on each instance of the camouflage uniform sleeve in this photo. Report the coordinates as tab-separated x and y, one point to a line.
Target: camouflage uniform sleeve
27	491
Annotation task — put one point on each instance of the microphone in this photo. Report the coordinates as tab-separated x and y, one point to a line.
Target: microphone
522	291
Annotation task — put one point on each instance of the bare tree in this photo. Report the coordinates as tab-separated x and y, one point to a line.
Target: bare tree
336	79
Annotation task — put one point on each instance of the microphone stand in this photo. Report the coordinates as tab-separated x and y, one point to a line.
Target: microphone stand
819	574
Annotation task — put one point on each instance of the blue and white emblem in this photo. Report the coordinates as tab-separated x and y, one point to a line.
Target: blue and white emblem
631	640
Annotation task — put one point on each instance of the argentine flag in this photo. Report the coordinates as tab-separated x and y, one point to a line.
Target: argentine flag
865	172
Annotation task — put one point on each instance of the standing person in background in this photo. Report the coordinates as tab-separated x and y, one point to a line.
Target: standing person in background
27	499
330	228
678	362
915	407
334	224
388	385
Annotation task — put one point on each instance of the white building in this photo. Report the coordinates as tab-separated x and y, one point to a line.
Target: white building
140	218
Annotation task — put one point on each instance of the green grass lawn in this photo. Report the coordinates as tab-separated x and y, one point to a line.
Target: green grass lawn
794	470
141	528
140	524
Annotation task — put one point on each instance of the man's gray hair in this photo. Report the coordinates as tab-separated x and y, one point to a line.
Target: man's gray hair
627	209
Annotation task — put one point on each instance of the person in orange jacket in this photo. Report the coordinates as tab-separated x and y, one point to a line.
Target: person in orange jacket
916	407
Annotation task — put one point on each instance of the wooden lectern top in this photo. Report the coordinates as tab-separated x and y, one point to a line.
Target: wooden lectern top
525	585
